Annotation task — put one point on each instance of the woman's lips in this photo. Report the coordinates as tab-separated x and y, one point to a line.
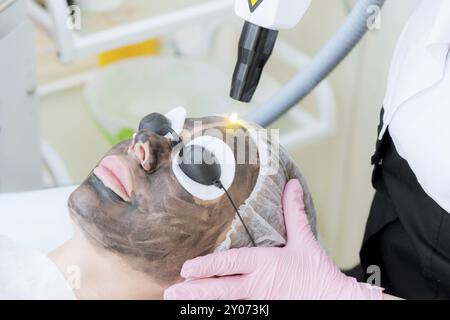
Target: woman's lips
115	175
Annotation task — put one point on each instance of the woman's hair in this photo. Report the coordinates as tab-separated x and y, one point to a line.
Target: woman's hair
262	212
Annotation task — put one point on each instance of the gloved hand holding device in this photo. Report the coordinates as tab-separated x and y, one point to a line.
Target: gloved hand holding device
300	270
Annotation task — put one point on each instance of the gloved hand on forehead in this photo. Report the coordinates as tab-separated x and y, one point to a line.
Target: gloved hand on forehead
300	270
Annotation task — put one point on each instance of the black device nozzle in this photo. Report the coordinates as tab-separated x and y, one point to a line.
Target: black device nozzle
255	48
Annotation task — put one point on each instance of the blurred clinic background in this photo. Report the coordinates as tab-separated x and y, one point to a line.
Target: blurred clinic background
90	77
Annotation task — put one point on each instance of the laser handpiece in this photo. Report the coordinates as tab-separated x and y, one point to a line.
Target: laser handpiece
255	48
263	20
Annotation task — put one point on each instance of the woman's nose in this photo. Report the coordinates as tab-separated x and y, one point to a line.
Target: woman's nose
149	149
140	148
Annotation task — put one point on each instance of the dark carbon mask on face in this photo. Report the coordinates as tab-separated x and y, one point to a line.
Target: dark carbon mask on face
163	225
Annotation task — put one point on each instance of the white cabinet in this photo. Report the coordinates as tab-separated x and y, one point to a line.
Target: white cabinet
20	164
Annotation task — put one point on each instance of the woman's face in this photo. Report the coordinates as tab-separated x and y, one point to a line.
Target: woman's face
132	204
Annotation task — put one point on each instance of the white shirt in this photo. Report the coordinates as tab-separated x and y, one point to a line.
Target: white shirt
29	274
417	102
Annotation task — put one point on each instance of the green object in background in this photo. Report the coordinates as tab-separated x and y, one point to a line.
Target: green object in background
124	134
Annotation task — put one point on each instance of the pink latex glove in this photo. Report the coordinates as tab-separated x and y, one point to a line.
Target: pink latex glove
300	270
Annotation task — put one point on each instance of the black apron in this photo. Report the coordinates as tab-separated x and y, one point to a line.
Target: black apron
407	233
